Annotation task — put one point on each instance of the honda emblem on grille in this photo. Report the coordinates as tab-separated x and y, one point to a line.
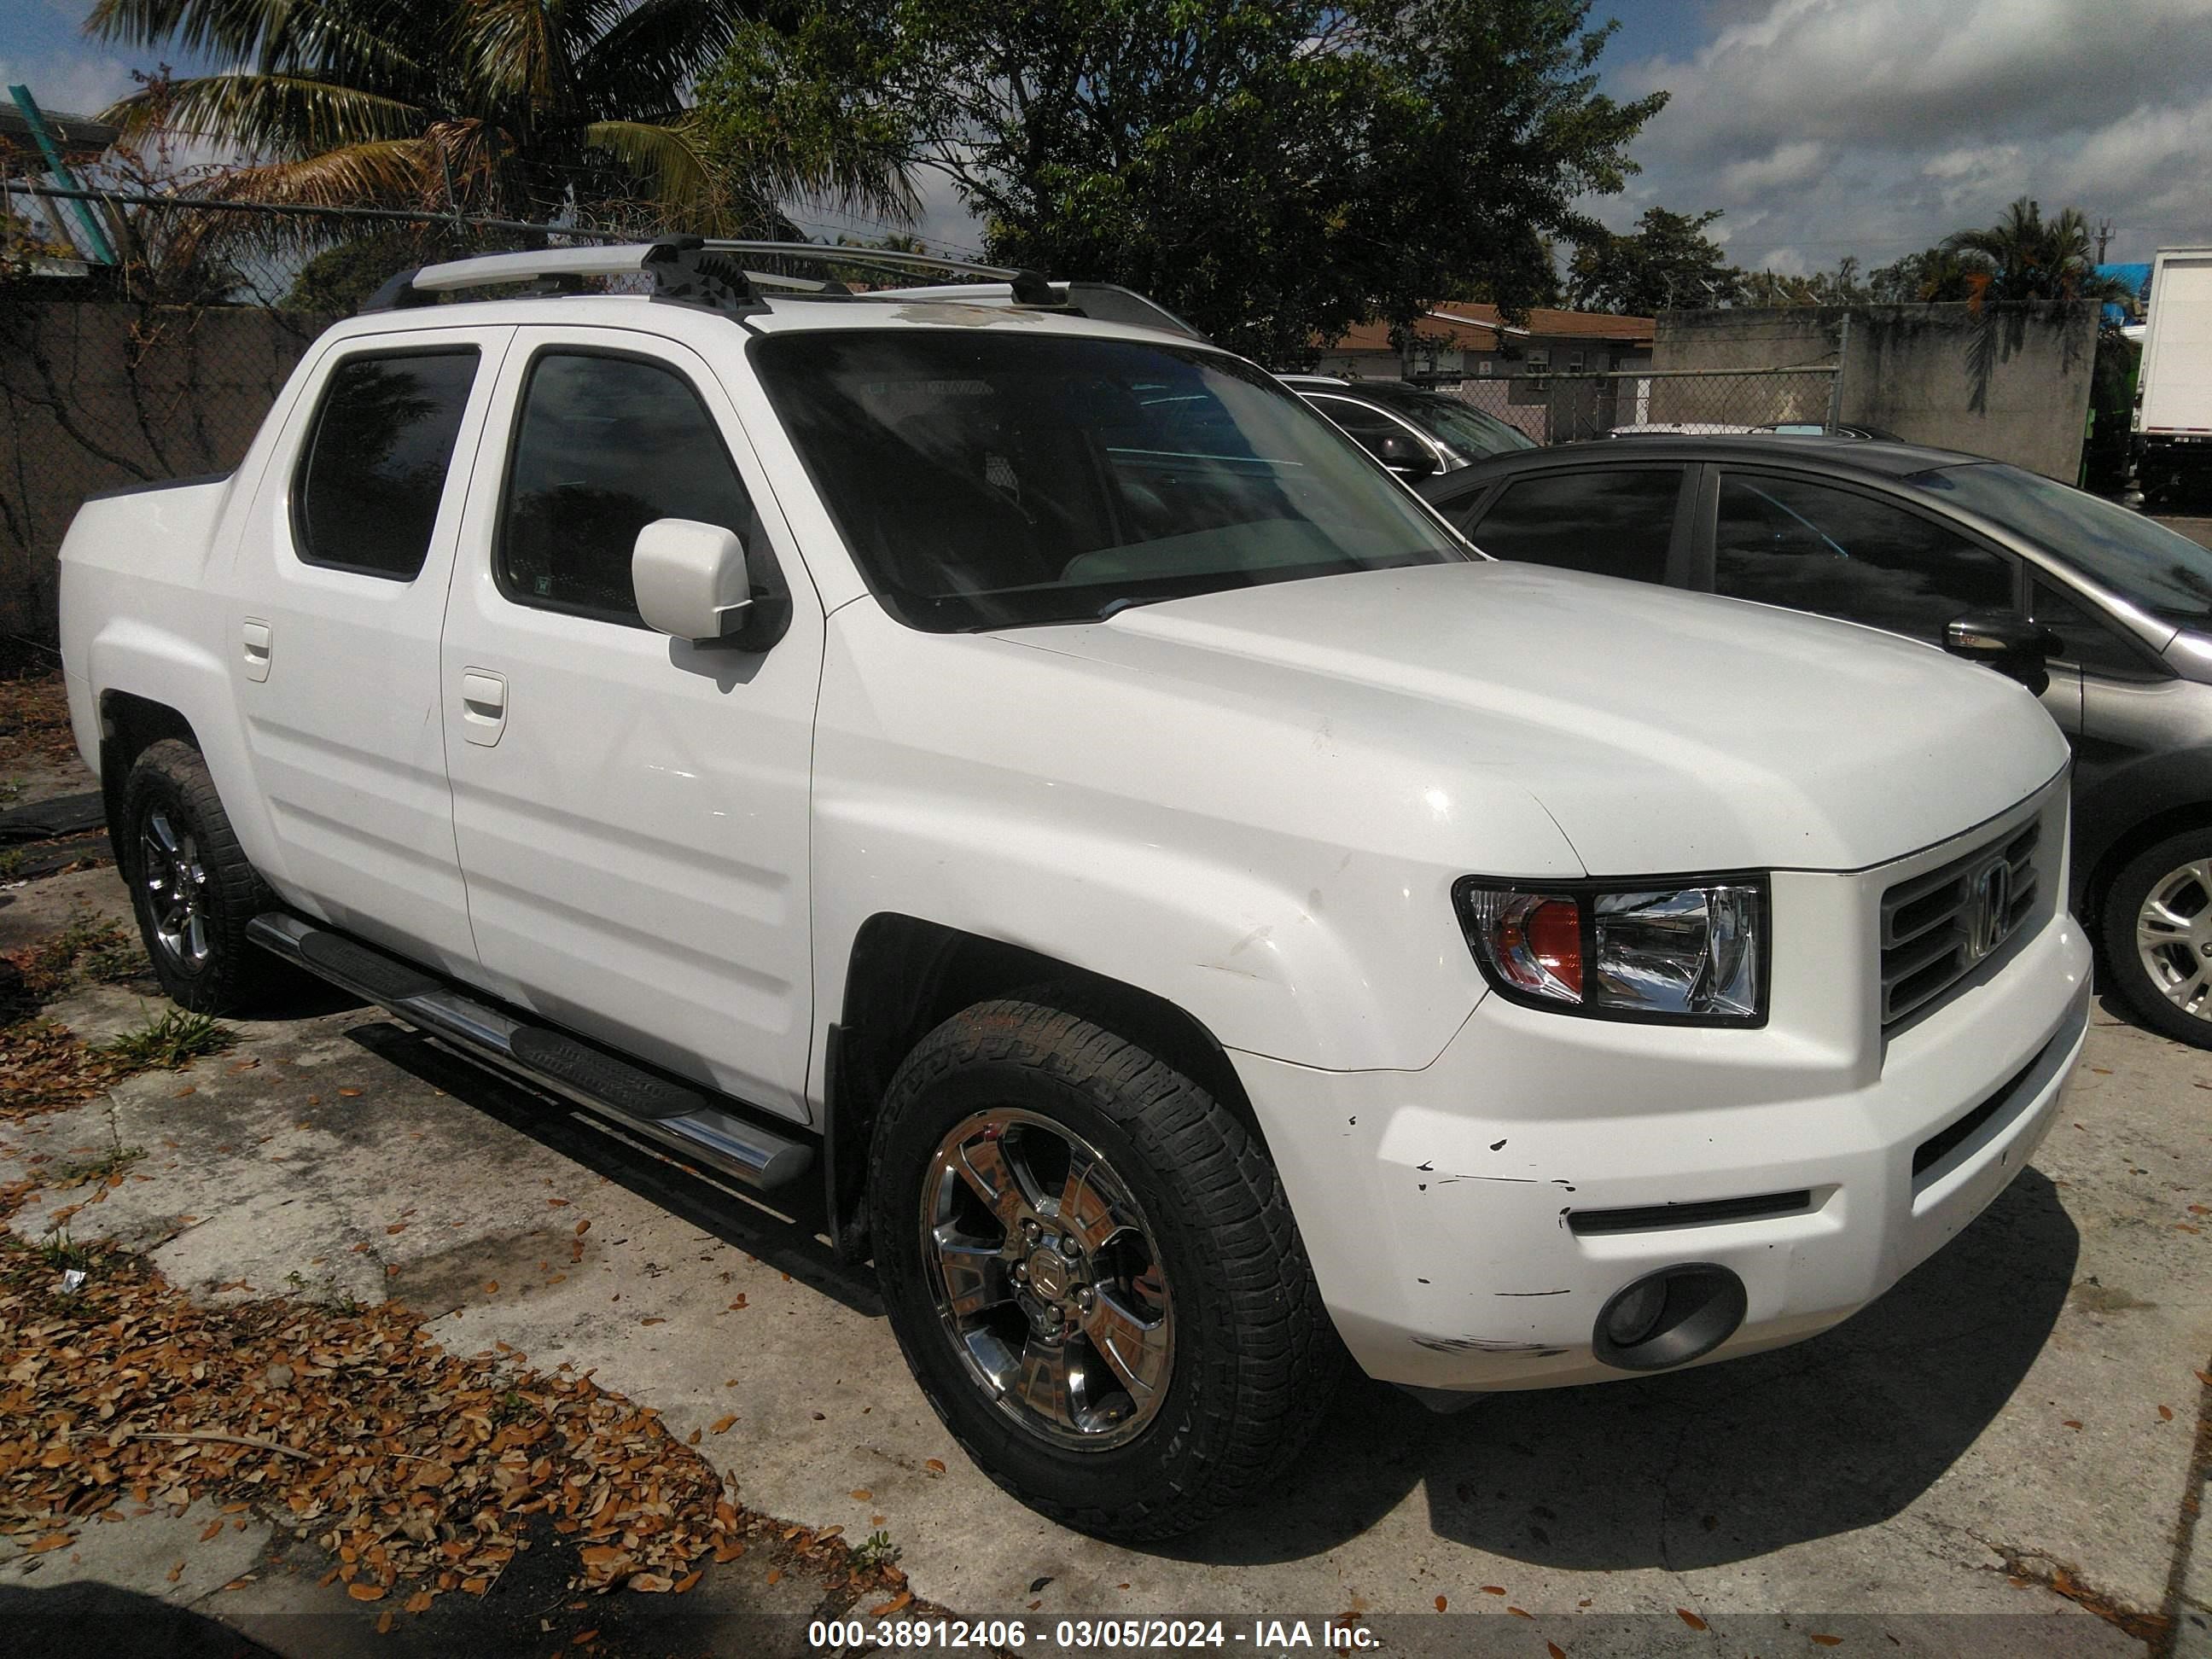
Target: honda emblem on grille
1989	908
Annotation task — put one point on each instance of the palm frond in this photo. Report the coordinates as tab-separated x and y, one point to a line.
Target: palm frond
515	53
269	114
392	172
660	158
646	58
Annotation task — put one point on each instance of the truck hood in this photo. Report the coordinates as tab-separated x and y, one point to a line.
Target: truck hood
1663	732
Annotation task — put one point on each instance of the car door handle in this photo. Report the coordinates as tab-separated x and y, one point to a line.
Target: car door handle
254	635
483	706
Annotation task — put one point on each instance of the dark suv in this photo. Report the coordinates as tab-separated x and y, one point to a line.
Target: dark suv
2106	613
1414	432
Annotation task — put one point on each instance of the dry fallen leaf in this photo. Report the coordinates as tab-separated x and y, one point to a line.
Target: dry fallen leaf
1689	1618
366	1592
861	1495
1821	1641
1555	1650
2071	1423
894	1605
2166	1414
419	1602
1441	1604
1493	1589
583	1227
1519	1613
396	1227
935	1466
213	1529
384	1622
54	1540
721	1425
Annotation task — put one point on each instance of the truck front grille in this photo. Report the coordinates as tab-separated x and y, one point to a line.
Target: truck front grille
1938	927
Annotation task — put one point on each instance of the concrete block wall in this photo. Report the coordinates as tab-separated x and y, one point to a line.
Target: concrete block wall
2010	383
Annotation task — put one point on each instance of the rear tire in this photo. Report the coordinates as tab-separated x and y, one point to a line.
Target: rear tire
1115	1319
2157	930
191	888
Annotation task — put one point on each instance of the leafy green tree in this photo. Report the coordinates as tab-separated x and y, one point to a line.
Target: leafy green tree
523	108
2032	258
1274	174
1667	263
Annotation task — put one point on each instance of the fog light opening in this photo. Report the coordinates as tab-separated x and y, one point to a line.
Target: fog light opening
1636	1312
1670	1317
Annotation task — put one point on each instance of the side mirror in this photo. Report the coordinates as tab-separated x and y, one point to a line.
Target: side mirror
690	578
2005	642
1405	456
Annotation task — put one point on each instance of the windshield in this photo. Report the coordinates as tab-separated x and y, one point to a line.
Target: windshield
1469	430
986	479
2144	562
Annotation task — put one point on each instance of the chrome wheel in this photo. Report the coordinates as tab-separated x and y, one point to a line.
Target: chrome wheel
175	887
2174	938
1045	1279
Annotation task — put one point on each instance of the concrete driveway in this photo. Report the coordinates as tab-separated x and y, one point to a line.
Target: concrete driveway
2008	1436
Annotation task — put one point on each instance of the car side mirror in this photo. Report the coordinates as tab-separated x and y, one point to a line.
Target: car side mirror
691	579
2006	643
1405	456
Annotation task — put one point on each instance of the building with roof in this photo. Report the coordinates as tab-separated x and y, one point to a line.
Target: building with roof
1465	340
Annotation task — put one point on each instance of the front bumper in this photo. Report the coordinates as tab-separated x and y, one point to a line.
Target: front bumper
1437	1206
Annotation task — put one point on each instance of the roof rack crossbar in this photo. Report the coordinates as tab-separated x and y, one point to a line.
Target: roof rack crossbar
1028	288
683	268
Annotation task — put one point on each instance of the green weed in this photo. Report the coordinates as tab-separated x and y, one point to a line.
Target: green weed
169	1041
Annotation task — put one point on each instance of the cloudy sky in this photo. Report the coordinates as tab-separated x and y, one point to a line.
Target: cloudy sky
1821	128
1831	127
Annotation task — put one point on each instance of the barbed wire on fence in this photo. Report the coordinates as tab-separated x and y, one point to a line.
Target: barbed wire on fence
1567	407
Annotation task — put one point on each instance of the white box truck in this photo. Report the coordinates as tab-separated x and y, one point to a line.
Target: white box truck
2173	389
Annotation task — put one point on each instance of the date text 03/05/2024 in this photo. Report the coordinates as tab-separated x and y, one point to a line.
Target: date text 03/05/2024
1260	1636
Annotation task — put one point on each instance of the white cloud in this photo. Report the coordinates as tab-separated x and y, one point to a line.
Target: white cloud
1787	164
1875	127
81	83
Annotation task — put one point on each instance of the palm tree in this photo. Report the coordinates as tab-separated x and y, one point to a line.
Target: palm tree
520	108
2035	258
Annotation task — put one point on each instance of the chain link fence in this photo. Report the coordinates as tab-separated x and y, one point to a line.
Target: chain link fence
1558	408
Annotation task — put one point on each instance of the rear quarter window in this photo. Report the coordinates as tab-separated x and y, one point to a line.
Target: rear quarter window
374	469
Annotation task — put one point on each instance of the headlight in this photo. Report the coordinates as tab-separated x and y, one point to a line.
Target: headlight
1695	954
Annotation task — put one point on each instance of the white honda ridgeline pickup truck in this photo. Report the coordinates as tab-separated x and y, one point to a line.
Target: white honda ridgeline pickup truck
989	753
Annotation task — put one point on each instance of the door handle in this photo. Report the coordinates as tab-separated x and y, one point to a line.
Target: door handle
483	706
255	633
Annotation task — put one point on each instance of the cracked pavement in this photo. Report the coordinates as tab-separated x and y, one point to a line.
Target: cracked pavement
2010	1432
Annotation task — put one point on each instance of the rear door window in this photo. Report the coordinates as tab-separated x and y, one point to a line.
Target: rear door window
1611	521
366	499
1814	546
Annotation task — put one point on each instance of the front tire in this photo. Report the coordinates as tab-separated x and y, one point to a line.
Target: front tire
1091	1269
2157	927
191	888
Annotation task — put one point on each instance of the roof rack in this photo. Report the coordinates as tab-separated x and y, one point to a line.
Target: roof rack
689	268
